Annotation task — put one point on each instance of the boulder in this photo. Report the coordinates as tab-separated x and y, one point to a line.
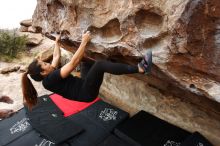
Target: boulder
6	99
32	38
23	29
9	69
5	113
27	22
184	51
23	68
183	35
46	54
32	29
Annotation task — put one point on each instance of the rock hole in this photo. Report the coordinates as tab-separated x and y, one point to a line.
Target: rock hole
148	23
53	5
150	43
56	7
192	86
208	86
108	34
154	43
38	29
70	42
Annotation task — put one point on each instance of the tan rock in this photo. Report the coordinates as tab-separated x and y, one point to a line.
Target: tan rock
27	22
5	113
183	35
185	29
132	95
33	38
6	99
32	29
66	57
9	69
11	86
23	29
46	54
23	68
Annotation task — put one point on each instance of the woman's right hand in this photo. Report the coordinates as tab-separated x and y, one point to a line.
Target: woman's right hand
58	37
78	55
86	37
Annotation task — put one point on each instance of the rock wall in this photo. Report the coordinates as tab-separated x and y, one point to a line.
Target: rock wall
123	92
184	36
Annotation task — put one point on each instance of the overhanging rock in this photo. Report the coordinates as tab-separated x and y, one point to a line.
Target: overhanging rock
184	36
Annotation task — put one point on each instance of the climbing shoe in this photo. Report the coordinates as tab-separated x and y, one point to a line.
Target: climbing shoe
146	62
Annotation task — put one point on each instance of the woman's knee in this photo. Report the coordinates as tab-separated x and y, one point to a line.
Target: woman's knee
87	99
100	64
91	99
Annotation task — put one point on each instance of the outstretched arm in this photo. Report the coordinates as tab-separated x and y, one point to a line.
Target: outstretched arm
56	52
70	66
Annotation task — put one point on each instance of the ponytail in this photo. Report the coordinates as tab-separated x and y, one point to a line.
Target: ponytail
29	92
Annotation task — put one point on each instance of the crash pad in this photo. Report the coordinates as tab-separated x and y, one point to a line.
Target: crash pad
69	107
144	129
14	127
196	139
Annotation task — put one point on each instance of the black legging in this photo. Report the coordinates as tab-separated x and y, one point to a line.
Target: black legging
93	79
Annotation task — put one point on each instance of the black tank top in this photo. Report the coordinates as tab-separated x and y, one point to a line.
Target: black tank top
68	87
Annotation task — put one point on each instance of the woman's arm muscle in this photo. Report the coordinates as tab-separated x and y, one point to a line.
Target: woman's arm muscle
56	53
70	66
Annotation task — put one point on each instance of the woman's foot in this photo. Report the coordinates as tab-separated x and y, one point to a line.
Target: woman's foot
146	63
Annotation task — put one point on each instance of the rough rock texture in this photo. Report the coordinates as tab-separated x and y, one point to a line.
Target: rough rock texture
26	26
32	38
27	22
5	113
23	29
132	95
32	29
11	86
184	36
9	69
10	76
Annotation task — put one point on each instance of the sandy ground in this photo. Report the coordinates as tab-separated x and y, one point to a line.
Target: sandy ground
11	86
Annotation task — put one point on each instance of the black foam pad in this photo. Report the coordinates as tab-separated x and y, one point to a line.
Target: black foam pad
44	104
196	139
105	115
112	140
85	67
145	129
50	123
93	134
98	120
14	127
33	138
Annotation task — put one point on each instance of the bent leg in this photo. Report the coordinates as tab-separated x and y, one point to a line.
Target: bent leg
94	78
85	67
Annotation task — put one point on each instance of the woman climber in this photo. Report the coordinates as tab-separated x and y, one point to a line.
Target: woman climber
61	81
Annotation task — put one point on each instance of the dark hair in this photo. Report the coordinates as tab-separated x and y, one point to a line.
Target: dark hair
29	92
